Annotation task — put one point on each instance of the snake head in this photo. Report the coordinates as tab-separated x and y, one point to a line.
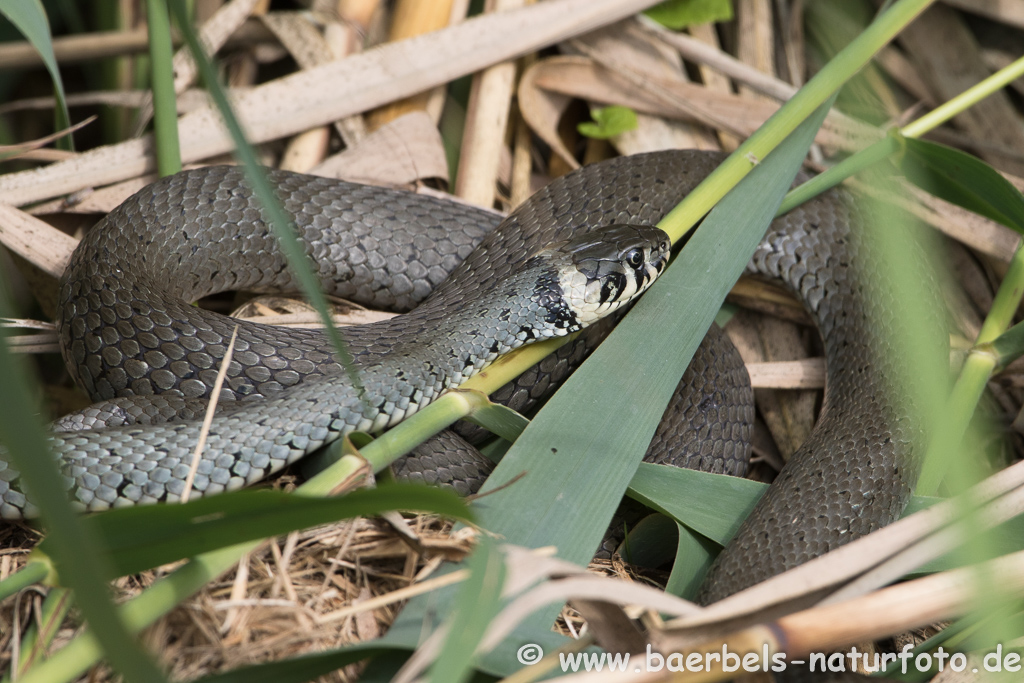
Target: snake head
611	266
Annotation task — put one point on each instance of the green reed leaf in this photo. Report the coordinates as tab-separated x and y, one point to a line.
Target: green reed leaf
144	537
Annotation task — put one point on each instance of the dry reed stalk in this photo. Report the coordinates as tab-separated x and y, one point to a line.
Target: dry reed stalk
755	35
39	243
714	80
483	139
807	373
411	18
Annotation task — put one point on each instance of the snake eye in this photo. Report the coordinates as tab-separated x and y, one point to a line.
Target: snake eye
635	258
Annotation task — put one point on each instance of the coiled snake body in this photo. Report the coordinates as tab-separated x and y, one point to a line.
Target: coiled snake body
127	330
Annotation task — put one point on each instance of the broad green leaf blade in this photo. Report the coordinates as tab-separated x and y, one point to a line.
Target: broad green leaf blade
477	603
1009	345
964	180
29	17
143	537
694	555
713	505
650	542
578	456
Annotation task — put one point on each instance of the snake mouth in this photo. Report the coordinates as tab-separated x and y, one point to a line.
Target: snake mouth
611	267
659	264
654	267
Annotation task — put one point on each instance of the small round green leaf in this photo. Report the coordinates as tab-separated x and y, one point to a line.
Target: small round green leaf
608	122
678	14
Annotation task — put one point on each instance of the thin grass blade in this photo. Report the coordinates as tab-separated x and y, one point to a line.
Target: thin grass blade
74	546
281	225
477	603
165	110
29	17
144	537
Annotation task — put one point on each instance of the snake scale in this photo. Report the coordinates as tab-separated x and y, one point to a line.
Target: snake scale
128	331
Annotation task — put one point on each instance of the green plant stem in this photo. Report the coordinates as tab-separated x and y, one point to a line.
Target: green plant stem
959	409
442	413
989	352
850	166
31	573
855	163
964	100
165	111
1007	347
841	68
1004	305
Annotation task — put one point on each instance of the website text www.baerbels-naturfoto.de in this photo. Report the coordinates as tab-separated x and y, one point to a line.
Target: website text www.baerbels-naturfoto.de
835	662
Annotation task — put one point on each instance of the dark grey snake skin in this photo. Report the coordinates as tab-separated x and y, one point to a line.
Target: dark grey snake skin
855	472
127	330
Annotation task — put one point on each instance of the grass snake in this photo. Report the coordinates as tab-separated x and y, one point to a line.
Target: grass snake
128	333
